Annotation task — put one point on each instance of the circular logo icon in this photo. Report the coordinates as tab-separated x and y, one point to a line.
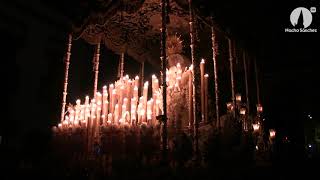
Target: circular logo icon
301	16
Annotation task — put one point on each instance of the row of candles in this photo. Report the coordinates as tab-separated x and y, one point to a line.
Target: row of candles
256	126
242	110
120	104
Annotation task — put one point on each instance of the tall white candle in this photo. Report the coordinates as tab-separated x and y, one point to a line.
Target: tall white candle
135	92
133	114
113	100
104	99
124	109
120	101
111	87
98	114
145	97
136	81
109	118
149	112
202	63
116	114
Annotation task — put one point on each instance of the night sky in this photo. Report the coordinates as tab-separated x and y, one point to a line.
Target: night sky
33	45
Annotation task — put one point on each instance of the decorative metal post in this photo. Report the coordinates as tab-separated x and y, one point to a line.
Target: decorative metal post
195	82
122	66
214	58
246	82
232	78
257	80
96	69
142	77
66	75
164	83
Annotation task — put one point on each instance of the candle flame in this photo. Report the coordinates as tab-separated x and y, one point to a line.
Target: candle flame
191	67
154	76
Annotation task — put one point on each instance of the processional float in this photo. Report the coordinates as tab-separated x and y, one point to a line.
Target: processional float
178	101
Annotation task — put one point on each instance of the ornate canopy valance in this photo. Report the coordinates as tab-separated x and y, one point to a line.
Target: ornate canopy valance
133	26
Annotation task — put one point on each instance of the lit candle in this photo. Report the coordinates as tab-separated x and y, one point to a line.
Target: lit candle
77	109
133	101
135	92
179	73
124	109
84	123
149	112
133	114
104	99
139	113
155	84
60	126
129	93
81	113
66	118
243	111
93	107
71	115
111	87
86	108
272	133
127	117
105	108
126	103
120	101
113	100
143	115
256	127
238	98
202	87
65	125
157	107
98	114
206	76
116	114
145	97
109	118
86	102
87	113
168	77
76	124
99	97
230	106
259	108
136	81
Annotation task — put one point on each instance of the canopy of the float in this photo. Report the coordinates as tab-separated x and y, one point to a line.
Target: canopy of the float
133	27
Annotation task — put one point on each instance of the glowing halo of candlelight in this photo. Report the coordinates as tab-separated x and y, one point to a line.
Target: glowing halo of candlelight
256	127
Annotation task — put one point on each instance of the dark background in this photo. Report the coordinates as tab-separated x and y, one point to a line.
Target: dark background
34	37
